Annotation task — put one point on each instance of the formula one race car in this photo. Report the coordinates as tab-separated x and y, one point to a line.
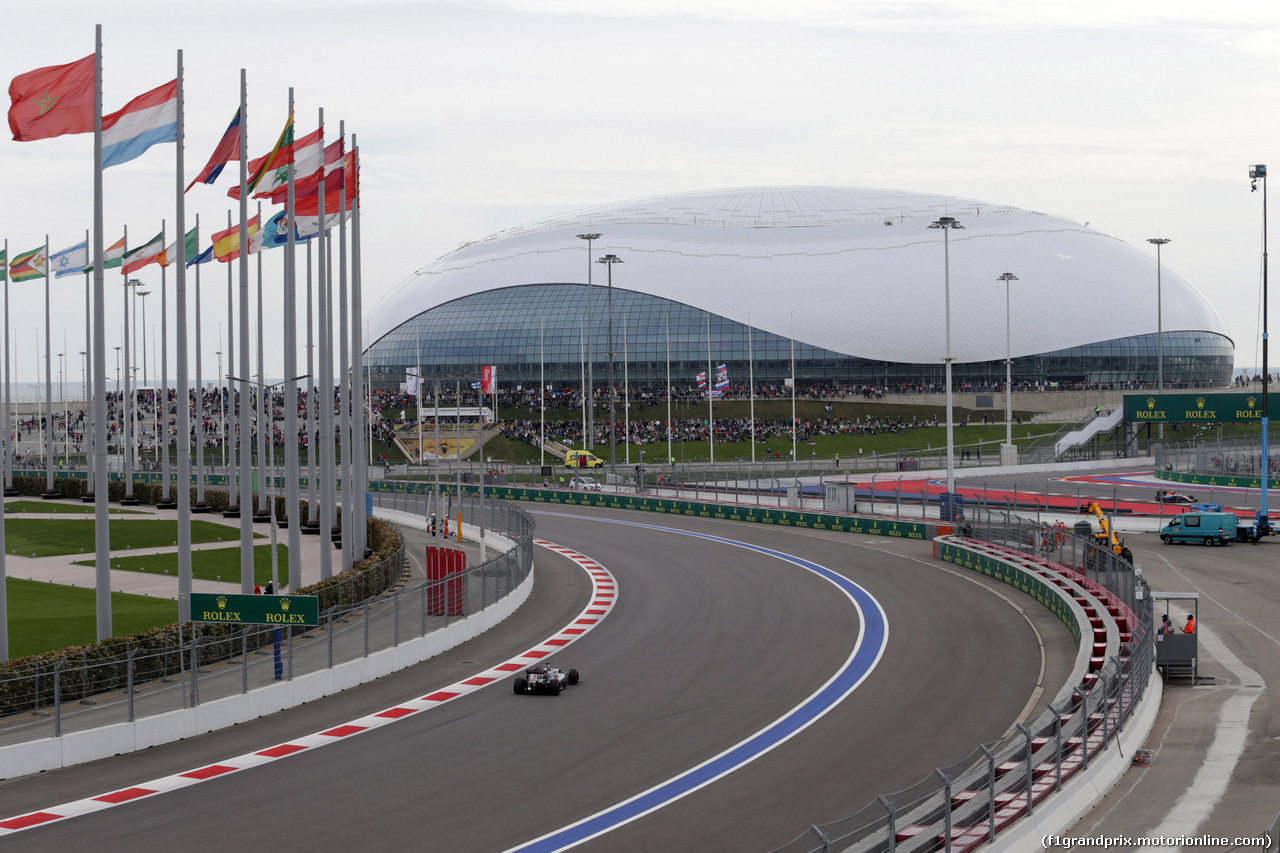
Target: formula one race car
542	678
1168	497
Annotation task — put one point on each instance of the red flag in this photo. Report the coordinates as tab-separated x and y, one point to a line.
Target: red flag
52	101
306	185
310	206
489	379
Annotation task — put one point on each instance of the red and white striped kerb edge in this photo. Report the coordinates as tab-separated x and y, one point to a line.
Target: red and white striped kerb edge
604	595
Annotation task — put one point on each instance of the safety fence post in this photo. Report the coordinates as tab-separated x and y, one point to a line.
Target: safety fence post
946	810
244	660
57	698
1030	762
129	679
1084	726
395	618
893	822
991	789
1057	739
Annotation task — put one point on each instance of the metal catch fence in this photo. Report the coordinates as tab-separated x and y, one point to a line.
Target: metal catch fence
977	797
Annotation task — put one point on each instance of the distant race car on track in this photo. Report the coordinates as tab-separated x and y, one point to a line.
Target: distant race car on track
542	678
1174	497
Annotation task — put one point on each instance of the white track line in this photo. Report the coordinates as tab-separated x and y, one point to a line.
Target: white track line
603	597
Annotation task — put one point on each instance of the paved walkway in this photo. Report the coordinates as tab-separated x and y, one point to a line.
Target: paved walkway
62	569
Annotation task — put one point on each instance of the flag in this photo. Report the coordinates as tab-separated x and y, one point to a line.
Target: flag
29	265
306	181
136	259
70	261
722	377
111	257
191	250
141	123
702	381
274	159
275	232
489	379
228	149
202	258
411	380
310	206
305	155
52	101
226	244
309	226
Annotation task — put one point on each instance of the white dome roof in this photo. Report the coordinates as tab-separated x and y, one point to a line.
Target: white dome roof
858	271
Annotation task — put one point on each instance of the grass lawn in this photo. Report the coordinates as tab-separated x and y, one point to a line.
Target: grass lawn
44	617
49	507
210	565
44	537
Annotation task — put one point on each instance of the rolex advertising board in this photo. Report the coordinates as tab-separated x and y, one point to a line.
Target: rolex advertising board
255	609
1203	408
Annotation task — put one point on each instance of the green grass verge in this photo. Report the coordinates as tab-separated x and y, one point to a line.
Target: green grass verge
44	537
44	617
216	564
57	507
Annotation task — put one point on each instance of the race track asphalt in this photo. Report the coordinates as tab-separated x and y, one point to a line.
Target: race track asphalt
707	644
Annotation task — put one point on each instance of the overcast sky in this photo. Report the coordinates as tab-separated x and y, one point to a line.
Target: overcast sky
1138	117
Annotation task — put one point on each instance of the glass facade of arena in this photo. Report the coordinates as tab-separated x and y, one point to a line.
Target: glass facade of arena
509	327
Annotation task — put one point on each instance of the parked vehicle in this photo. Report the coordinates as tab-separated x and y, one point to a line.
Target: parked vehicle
582	459
587	484
1211	528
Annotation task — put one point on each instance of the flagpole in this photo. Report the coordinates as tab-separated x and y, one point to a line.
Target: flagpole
542	393
325	396
48	385
9	490
90	481
8	470
231	439
126	430
182	396
357	357
313	408
792	335
711	411
292	517
162	408
101	529
246	507
344	367
670	456
200	505
626	392
265	424
751	384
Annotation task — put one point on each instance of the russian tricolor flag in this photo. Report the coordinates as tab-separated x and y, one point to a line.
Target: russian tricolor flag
141	123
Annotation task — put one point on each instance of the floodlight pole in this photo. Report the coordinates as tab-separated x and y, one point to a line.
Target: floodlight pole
1008	359
1259	173
1158	242
588	395
609	260
947	223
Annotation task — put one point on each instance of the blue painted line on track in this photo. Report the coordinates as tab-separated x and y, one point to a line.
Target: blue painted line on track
873	636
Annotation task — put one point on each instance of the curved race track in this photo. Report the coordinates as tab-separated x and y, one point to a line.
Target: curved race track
707	644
